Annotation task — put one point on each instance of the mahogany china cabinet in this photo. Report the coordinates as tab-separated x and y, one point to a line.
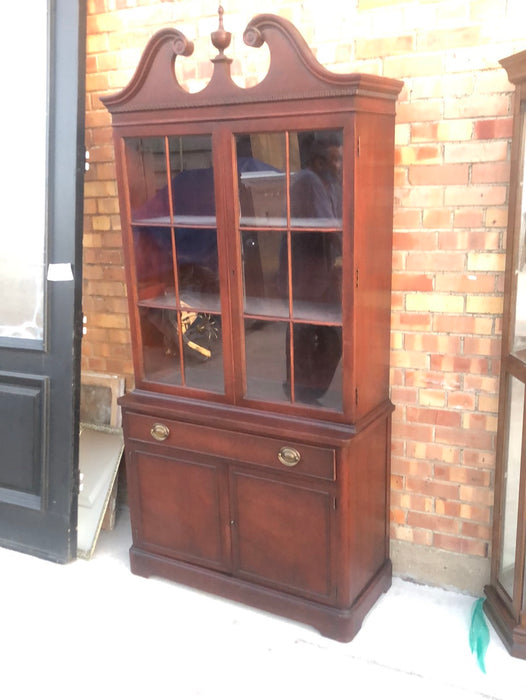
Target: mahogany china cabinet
506	595
257	228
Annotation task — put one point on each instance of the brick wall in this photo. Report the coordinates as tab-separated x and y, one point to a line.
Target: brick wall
452	169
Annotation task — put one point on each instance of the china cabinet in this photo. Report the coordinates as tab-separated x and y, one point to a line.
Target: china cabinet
257	228
506	594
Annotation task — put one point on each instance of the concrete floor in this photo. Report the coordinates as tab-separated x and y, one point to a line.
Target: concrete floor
91	629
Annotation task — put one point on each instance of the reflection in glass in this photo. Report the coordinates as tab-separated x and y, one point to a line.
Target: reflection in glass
316	189
519	339
261	163
510	504
198	269
317	353
154	264
146	166
316	275
266	293
24	157
203	351
265	347
192	181
173	210
160	345
164	331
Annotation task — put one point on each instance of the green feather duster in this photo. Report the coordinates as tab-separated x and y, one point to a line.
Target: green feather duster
479	633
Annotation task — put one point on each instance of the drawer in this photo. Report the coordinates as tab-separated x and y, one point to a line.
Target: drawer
285	455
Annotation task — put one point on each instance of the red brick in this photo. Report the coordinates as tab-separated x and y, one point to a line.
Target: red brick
470	284
461	545
432	342
403	395
468	218
438	261
464	438
427	379
411	467
402	281
462	475
442	39
481	532
430	487
493	128
412	321
472	365
433	522
413	432
446	174
479	458
425	132
461	400
482	195
437	218
407	219
433	452
490	172
450	509
432	416
404	240
386	46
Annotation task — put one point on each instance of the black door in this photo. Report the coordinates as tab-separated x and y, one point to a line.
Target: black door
42	68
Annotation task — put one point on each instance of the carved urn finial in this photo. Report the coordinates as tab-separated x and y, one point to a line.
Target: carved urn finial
221	38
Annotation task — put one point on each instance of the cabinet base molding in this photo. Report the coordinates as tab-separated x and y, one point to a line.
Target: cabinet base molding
341	625
512	634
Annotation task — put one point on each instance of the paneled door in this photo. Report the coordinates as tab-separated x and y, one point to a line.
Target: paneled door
42	66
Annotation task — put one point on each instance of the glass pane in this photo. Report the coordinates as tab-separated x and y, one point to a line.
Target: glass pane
316	188
160	345
519	340
203	351
201	343
198	269
317	275
192	180
317	365
194	212
266	346
261	166
24	146
510	504
154	265
265	280
148	182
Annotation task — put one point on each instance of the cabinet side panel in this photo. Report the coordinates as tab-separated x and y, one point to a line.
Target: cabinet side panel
368	473
373	258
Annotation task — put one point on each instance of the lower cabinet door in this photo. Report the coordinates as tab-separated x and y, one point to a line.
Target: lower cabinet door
180	508
282	534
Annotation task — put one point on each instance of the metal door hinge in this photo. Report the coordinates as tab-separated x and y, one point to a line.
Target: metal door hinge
358	147
357	278
356	396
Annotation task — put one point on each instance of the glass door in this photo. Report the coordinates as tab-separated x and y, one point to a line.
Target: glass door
290	224
175	261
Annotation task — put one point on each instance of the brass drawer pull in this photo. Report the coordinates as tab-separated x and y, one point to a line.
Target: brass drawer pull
160	431
289	456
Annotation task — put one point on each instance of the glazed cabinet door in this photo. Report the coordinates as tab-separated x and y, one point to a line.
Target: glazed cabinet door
179	508
291	242
174	270
282	533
